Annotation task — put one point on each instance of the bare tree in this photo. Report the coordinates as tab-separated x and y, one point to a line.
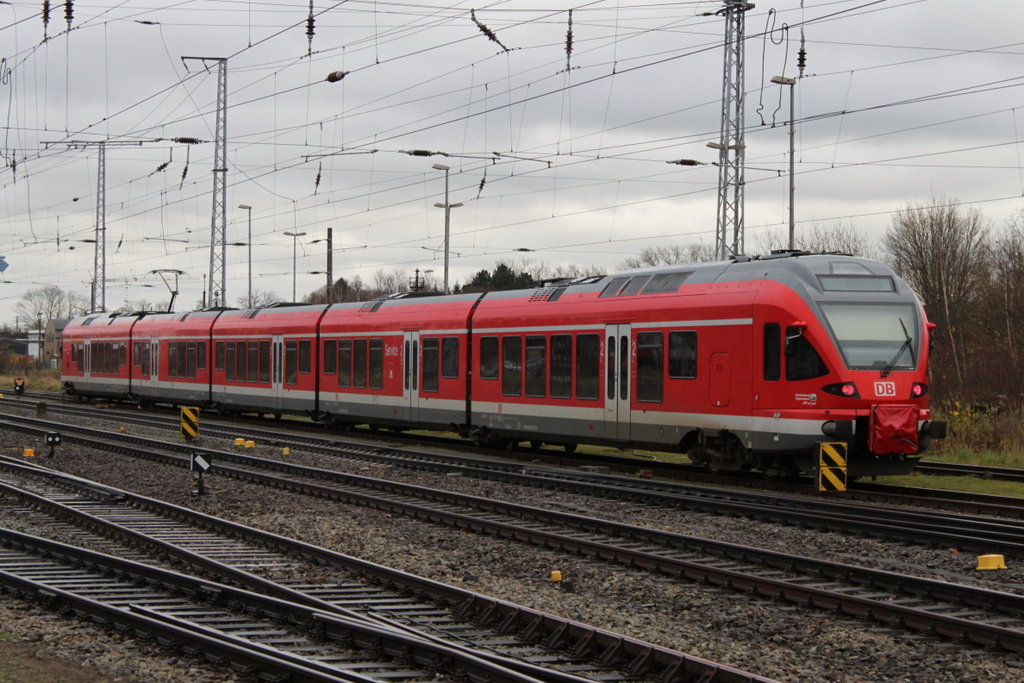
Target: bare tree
669	255
838	238
41	304
260	299
941	249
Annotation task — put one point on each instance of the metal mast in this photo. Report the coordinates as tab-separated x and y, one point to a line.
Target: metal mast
730	145
99	265
217	293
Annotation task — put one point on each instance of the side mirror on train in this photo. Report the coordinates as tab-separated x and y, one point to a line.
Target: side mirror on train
794	331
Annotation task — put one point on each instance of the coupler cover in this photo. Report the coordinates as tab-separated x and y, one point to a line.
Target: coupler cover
893	429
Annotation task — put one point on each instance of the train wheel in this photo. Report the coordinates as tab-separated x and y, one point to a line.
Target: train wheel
569	447
536	445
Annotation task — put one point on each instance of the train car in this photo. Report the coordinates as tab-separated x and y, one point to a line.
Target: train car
94	356
170	358
399	361
744	364
265	360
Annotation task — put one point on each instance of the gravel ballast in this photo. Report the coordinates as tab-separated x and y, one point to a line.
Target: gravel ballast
771	639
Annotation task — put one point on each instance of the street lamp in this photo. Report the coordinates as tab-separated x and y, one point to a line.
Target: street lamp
248	208
295	236
791	82
447	219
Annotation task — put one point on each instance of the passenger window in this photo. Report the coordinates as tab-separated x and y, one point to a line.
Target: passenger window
172	359
304	354
512	366
588	366
772	353
650	379
536	365
682	355
252	373
229	362
265	362
359	364
376	363
330	356
241	354
345	363
450	357
489	358
561	366
218	355
201	355
430	363
291	362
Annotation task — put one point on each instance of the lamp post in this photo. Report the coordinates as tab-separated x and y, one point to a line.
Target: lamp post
791	82
246	207
295	237
447	219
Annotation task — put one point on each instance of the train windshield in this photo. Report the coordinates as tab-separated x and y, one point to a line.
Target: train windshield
875	336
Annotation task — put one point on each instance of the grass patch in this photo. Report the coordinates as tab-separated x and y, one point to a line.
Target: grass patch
35	380
990	487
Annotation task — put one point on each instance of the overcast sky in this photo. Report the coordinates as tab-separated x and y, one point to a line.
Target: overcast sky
565	155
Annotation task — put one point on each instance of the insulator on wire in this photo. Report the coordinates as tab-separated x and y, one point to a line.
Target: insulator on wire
486	31
46	16
336	76
69	12
568	42
310	27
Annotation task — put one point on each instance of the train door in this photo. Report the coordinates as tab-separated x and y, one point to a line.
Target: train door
618	359
277	371
410	375
143	376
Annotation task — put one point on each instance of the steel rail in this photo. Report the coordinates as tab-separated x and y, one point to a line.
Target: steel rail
137	583
894	587
969	533
553	632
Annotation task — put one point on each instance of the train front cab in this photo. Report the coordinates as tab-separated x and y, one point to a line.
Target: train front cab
95	356
845	360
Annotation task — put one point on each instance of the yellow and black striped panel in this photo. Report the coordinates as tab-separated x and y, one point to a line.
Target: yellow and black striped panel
190	422
832	466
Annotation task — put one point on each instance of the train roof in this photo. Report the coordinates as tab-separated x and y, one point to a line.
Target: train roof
810	274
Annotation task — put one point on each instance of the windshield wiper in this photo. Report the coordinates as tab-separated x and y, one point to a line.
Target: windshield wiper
906	345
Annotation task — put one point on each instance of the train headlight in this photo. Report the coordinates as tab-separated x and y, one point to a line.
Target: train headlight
845	389
918	390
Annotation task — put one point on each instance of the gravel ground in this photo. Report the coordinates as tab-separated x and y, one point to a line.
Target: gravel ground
768	638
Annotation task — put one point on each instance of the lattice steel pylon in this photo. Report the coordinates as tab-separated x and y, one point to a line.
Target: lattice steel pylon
217	292
99	266
730	144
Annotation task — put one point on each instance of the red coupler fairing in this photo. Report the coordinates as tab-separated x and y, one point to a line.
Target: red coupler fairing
893	429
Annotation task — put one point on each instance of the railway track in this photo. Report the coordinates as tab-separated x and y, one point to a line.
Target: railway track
313	437
264	637
977	616
457	624
961	531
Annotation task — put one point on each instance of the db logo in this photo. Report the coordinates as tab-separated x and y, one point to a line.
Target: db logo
885	388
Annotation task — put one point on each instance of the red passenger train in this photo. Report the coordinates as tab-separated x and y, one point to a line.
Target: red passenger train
742	364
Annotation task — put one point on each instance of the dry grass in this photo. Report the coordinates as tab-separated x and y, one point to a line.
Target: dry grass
35	380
